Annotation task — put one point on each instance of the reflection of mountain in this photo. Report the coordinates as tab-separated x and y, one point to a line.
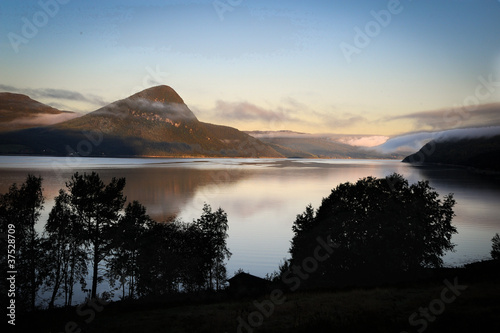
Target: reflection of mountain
153	122
164	191
479	153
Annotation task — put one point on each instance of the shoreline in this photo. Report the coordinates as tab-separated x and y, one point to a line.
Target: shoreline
477	171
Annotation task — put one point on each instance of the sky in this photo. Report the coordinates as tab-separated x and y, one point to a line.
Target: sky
336	66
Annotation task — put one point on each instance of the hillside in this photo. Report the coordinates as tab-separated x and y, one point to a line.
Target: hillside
19	111
293	144
478	153
153	122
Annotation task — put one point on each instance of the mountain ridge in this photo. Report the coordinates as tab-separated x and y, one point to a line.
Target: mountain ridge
481	153
305	145
153	122
19	111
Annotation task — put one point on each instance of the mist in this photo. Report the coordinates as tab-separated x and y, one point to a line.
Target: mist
122	108
348	139
45	119
413	142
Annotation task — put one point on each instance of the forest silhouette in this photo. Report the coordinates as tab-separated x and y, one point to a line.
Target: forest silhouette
90	228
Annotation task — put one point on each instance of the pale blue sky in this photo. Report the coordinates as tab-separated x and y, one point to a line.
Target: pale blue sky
265	65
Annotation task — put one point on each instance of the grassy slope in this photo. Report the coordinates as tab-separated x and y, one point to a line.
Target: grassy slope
383	309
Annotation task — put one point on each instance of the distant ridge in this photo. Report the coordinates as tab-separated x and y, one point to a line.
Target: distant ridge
153	122
304	145
19	111
478	153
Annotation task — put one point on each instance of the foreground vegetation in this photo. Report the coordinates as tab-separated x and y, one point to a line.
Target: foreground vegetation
376	230
380	309
90	232
368	259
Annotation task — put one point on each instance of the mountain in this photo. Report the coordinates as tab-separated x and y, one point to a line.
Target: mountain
303	145
19	111
478	153
153	122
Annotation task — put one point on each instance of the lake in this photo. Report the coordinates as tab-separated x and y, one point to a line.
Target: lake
263	196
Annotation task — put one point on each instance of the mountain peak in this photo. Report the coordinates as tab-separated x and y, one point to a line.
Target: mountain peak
162	94
153	122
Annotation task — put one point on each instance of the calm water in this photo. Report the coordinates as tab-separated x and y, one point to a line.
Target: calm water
263	196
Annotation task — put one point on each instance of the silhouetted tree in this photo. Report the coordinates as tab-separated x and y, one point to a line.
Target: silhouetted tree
239	271
21	206
176	256
213	227
160	260
97	206
190	255
128	238
495	247
85	225
65	258
381	226
304	230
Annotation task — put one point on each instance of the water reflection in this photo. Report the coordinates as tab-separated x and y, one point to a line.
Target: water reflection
262	197
164	191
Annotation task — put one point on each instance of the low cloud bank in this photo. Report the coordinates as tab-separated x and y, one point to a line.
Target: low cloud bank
352	140
248	111
45	119
413	142
459	117
122	108
363	141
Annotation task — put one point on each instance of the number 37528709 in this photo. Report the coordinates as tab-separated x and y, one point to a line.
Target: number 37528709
11	248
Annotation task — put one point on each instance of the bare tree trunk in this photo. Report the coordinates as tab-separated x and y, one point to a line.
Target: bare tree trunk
57	284
94	277
123	288
96	260
32	261
72	277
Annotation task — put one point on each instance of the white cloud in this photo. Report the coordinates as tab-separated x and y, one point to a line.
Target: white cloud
414	141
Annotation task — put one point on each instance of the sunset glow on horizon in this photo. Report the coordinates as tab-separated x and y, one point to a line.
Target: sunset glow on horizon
346	67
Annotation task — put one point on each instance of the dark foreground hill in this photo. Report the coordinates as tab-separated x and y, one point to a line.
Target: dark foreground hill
455	300
478	153
154	122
